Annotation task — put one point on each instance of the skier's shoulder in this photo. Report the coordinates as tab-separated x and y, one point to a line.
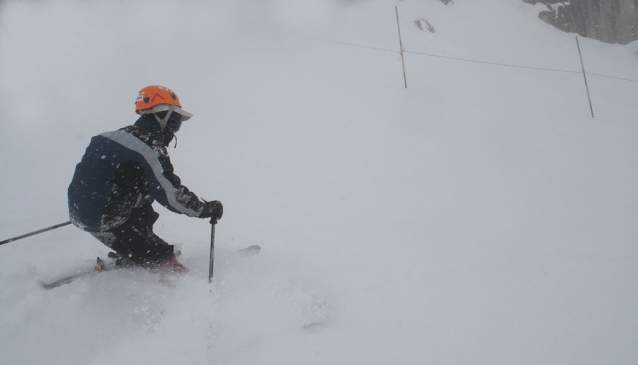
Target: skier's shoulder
132	135
149	136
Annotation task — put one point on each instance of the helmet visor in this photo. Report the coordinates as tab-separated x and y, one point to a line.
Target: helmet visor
165	107
185	115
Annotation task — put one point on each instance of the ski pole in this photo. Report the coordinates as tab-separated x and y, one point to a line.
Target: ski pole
213	222
35	232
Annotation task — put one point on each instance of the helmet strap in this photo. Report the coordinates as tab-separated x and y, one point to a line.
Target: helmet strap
163	121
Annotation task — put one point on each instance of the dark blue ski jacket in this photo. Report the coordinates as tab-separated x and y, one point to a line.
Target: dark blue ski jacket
123	170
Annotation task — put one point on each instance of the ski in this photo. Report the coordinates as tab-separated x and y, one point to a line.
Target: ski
102	265
99	267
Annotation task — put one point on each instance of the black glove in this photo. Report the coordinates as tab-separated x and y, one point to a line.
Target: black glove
213	209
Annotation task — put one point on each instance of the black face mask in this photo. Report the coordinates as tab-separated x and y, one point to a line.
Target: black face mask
174	122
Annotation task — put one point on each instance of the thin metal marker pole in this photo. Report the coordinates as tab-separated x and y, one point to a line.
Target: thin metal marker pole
591	108
213	222
35	232
405	80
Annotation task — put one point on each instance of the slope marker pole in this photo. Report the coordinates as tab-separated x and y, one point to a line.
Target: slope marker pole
591	108
405	80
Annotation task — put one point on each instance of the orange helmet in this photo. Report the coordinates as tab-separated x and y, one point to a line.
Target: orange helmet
153	95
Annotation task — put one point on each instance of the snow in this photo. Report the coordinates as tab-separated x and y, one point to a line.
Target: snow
481	216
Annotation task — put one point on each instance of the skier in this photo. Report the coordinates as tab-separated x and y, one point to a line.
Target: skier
123	172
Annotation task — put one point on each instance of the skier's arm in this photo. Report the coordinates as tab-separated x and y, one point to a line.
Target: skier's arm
163	185
167	189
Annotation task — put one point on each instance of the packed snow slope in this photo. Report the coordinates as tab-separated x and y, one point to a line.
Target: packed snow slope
480	216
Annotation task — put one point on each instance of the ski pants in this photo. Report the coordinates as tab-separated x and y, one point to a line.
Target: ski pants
135	240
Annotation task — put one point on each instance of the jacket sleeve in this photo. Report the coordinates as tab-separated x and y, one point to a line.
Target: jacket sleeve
171	193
